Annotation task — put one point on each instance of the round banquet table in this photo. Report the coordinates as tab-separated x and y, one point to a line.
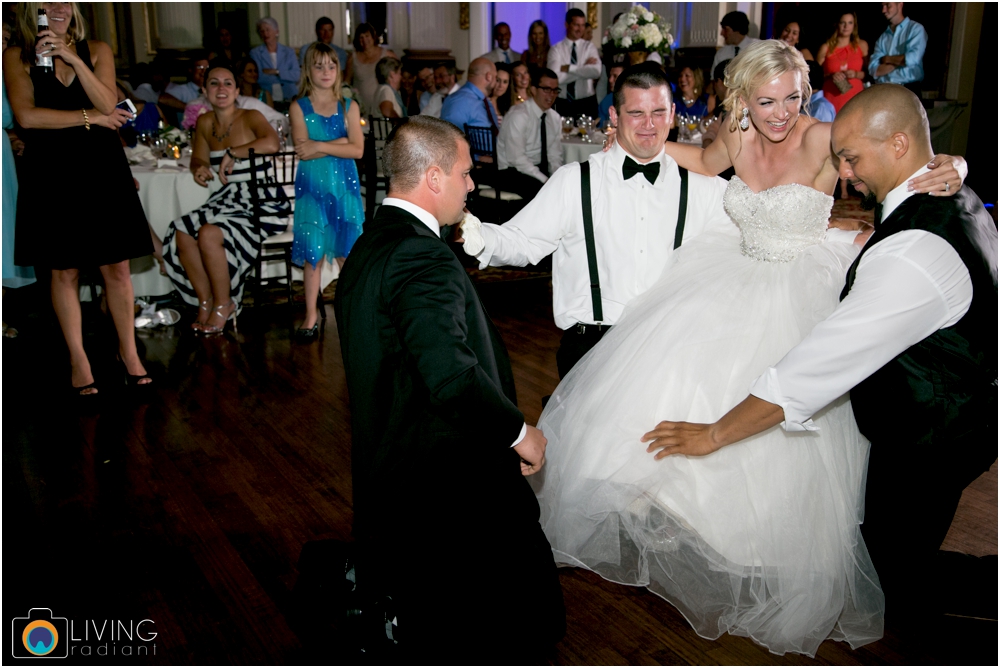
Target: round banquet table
576	150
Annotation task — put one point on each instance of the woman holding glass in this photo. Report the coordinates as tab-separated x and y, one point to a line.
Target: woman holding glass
71	115
209	252
326	129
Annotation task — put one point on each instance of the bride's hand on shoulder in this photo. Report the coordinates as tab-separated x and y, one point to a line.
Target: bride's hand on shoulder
611	133
681	438
946	177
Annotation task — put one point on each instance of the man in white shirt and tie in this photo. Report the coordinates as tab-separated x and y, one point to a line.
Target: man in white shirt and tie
735	26
446	81
502	53
577	63
528	147
635	195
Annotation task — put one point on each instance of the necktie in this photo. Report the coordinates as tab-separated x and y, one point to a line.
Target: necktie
544	166
737	51
506	57
650	170
571	88
489	114
878	215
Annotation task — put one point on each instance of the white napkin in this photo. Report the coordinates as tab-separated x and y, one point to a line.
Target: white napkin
472	232
140	153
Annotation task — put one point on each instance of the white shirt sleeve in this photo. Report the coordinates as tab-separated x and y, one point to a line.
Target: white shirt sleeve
513	144
907	287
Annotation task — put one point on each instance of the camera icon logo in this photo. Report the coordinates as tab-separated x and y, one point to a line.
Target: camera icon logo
40	635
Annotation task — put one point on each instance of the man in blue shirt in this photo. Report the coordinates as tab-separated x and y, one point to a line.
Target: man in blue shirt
324	33
468	105
604	108
820	108
899	52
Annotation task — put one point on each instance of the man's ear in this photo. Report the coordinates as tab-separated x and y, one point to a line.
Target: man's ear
900	145
434	179
613	114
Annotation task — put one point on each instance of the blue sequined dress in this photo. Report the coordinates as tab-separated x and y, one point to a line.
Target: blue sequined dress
13	276
328	208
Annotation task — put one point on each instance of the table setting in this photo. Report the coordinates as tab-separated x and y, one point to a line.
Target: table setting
581	137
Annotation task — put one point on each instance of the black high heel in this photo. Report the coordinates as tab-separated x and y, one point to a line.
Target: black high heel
307	335
134	382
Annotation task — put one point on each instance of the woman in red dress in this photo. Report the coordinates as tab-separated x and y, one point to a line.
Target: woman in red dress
843	60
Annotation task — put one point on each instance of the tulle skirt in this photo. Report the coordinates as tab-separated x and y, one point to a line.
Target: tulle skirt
760	539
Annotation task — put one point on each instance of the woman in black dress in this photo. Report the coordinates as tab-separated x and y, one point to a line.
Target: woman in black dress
71	115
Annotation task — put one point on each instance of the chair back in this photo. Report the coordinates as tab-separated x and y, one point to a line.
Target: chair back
282	166
373	179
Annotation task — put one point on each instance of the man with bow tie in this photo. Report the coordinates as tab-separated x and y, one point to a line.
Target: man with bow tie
635	197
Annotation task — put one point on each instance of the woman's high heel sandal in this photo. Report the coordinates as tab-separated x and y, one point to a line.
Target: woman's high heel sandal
215	330
203	307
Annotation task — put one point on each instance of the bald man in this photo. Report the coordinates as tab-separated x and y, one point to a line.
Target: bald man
468	105
914	340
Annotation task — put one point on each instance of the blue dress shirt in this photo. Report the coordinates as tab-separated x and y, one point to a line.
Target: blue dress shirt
465	107
821	108
288	69
604	109
908	38
341	54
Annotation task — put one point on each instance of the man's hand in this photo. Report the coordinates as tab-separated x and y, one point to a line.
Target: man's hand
564	68
947	174
532	451
681	438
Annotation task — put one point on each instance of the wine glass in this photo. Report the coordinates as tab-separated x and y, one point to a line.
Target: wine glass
567	126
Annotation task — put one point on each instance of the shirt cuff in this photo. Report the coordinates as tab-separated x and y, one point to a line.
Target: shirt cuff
768	388
520	437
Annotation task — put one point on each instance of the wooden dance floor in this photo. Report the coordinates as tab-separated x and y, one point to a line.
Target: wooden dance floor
191	510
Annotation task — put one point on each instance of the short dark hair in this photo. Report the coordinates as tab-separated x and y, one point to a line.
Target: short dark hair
720	70
325	21
643	76
738	21
416	145
573	13
496	29
538	72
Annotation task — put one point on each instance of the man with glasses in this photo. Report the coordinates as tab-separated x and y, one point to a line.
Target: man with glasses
576	63
528	147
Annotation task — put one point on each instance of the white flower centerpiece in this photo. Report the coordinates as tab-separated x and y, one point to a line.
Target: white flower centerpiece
640	32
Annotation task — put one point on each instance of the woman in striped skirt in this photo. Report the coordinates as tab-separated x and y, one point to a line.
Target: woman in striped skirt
210	251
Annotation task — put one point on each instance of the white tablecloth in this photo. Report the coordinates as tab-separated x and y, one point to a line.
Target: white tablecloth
576	150
166	194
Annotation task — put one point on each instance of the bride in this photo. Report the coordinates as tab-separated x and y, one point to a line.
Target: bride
760	539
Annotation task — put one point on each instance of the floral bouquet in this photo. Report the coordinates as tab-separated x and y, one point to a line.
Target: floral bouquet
639	29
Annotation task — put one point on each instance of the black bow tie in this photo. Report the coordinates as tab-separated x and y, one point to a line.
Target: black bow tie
650	170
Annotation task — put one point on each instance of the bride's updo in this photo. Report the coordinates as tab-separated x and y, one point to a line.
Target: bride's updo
756	65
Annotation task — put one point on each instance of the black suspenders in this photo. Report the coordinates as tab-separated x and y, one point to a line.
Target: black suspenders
588	231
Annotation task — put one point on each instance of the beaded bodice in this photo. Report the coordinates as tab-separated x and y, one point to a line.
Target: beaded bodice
778	223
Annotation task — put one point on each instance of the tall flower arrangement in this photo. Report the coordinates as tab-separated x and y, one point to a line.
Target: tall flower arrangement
639	29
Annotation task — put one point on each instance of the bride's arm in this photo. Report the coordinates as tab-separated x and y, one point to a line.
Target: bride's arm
945	169
710	161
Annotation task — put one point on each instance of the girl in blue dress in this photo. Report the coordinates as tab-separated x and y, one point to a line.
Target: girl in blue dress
329	213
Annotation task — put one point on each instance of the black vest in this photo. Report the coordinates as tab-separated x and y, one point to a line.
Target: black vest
944	387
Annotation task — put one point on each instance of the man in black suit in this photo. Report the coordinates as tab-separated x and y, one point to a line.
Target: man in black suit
446	524
914	340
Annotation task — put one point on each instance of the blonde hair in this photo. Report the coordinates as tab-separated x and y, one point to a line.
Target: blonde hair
27	21
831	43
698	87
756	65
317	51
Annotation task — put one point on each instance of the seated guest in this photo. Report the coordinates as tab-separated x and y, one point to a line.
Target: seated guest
146	120
502	53
200	105
425	77
152	80
225	54
409	92
387	101
711	132
279	68
603	109
820	108
468	105
247	80
174	97
520	82
526	158
446	77
325	29
191	88
209	252
501	91
691	99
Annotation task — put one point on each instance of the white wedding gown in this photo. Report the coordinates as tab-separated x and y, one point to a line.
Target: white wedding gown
761	538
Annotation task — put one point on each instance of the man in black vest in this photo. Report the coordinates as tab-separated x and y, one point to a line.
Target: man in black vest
446	524
914	340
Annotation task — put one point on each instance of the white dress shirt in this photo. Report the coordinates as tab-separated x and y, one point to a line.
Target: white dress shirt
634	223
907	287
433	107
434	226
583	75
184	92
519	144
498	55
728	52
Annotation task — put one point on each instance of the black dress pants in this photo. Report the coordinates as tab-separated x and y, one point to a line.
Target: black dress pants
577	342
513	181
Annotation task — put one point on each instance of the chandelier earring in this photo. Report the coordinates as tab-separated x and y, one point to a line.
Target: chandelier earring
745	121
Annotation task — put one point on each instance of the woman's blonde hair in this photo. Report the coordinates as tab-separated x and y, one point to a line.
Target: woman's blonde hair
756	65
315	54
831	43
699	80
27	21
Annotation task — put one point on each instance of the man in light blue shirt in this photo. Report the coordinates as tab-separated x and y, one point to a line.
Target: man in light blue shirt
468	105
324	33
820	108
899	52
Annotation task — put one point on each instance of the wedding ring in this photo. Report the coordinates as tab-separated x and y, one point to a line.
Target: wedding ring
947	187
